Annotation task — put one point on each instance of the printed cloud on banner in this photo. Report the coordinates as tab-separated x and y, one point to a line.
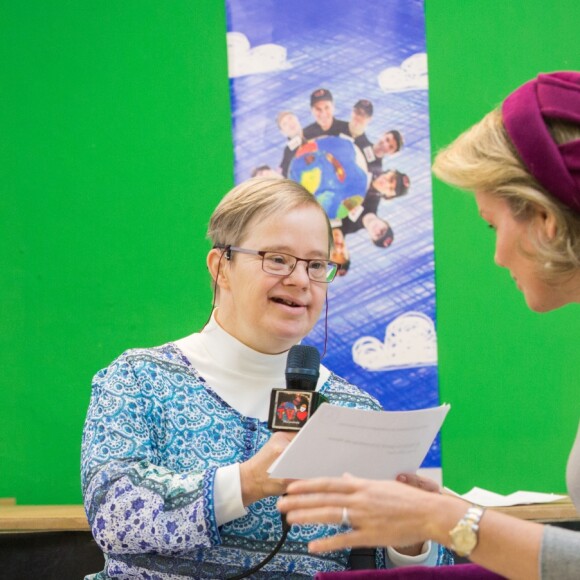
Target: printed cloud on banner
410	76
410	341
244	60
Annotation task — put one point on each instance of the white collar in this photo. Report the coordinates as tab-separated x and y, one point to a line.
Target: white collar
241	376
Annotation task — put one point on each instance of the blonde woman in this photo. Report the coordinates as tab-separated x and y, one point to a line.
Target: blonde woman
522	161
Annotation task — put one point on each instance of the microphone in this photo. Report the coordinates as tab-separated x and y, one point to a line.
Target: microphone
291	407
302	368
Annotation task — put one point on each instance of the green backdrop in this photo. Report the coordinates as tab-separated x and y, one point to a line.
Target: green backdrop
115	145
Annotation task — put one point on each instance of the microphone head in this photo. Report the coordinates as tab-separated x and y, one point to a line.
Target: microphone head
302	367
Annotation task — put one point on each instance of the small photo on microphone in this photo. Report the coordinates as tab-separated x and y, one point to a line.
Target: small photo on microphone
292	409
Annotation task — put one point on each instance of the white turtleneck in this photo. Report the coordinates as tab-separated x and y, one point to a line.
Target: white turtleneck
244	379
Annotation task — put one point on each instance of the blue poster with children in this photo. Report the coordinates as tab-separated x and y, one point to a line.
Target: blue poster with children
334	94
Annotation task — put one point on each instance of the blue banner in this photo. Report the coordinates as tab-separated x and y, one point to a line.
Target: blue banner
333	94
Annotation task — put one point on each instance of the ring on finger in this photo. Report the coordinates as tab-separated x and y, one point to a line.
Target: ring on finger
345	521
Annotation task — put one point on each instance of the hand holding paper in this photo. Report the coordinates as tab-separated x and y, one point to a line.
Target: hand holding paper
369	444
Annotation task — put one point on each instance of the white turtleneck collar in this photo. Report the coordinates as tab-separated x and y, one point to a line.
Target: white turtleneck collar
241	376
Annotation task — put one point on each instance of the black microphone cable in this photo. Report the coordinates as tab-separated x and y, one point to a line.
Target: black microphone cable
285	529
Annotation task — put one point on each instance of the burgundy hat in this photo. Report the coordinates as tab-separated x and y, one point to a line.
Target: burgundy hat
549	96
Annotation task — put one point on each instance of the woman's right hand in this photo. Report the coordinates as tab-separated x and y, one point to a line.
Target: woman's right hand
255	481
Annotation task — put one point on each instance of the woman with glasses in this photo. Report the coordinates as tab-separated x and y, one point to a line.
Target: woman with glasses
523	163
176	444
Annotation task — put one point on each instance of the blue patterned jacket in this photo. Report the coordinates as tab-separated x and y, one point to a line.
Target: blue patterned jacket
154	436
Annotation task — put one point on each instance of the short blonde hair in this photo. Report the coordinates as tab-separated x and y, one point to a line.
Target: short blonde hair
253	199
484	159
258	197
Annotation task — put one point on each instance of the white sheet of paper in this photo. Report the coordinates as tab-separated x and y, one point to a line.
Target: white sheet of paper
487	498
370	444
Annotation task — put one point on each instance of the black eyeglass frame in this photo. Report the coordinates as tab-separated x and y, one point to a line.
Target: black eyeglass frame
263	253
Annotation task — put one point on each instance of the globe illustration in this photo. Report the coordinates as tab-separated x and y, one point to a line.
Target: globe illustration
333	169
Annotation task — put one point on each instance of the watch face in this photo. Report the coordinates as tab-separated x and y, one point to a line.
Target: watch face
464	534
464	539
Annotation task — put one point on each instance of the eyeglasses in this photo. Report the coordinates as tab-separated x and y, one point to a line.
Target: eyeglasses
281	264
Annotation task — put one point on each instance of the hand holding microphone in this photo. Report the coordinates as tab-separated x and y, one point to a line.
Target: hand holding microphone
290	408
255	479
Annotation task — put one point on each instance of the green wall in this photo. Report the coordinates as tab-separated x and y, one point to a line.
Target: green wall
511	375
115	145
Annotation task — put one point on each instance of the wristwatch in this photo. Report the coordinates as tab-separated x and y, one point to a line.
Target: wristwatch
464	535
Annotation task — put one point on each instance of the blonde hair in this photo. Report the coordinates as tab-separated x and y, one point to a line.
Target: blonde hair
258	197
484	159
